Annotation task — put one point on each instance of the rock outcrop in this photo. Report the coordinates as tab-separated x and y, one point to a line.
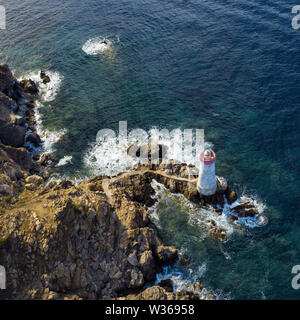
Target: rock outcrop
90	241
15	106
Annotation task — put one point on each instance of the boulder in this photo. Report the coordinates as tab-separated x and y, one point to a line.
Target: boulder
8	102
29	87
246	210
33	182
12	135
44	77
148	266
167	284
231	196
34	138
167	255
19	155
8	83
30	118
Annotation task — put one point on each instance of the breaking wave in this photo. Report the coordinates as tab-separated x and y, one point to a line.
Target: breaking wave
96	46
109	156
190	282
47	93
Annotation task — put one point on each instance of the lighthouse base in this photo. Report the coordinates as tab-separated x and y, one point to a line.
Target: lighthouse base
207	191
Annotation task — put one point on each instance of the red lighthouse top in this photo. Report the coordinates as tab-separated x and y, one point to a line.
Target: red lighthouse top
207	156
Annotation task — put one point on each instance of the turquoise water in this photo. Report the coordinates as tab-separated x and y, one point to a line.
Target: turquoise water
230	67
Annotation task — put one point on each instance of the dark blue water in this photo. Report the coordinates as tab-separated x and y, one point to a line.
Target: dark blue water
230	67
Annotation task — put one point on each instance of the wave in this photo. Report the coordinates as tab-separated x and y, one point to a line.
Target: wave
109	157
190	282
96	46
47	93
258	220
197	216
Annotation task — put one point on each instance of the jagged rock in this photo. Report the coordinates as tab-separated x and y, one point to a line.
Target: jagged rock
8	103
184	261
48	160
147	264
29	87
8	84
167	255
5	189
245	210
158	293
33	182
19	155
166	284
44	77
231	196
30	118
12	135
34	138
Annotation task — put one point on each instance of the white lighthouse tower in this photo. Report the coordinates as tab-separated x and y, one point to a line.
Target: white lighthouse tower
207	184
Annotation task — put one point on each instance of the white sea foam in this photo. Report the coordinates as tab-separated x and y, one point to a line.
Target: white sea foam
109	157
47	93
187	282
96	46
65	160
258	220
197	216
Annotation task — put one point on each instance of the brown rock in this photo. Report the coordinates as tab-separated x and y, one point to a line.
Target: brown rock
12	135
19	155
29	87
8	84
231	196
166	284
167	255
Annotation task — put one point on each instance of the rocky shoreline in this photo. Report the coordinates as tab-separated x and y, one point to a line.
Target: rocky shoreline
90	241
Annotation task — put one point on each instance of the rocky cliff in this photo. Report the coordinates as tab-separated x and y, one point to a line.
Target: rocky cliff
90	241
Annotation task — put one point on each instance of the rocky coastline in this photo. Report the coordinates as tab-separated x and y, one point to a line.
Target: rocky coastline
94	240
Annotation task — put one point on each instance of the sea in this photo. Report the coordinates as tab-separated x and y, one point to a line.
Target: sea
230	67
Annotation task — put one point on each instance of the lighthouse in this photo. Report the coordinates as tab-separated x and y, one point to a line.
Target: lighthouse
207	184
